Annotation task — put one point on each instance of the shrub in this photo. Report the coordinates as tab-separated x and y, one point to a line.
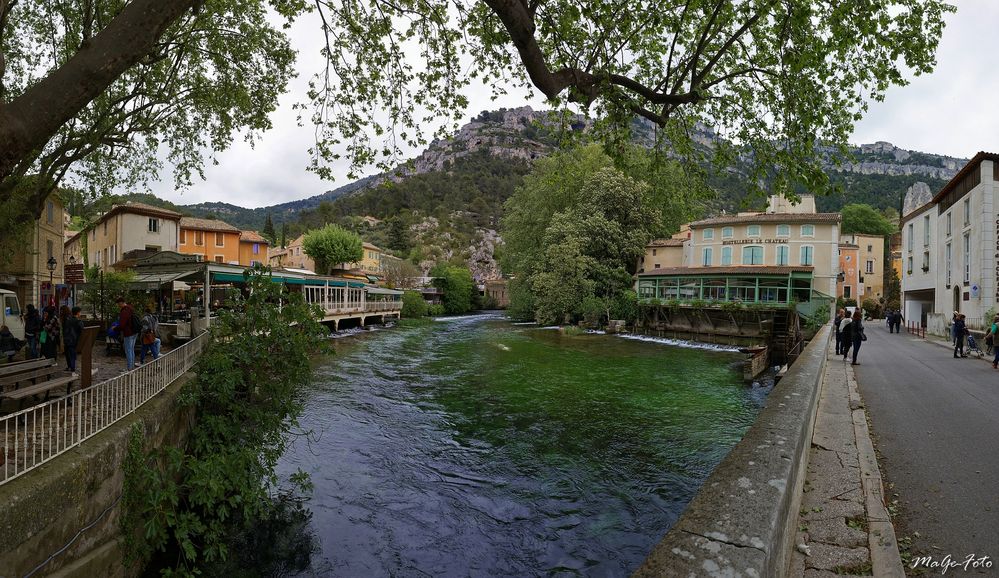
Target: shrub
414	305
436	309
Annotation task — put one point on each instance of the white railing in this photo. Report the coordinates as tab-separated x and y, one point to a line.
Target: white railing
37	434
384	306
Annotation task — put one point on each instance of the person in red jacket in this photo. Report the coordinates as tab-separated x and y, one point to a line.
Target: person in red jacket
128	332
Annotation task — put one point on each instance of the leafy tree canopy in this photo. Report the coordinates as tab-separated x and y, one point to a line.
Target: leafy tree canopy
458	287
331	246
864	219
101	85
588	251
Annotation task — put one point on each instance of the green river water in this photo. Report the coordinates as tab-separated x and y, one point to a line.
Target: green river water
477	447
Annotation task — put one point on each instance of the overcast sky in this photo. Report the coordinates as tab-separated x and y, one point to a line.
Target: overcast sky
951	111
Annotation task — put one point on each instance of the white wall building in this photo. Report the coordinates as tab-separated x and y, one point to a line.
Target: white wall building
950	248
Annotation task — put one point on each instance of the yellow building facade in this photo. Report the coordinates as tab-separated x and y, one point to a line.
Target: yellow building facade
27	274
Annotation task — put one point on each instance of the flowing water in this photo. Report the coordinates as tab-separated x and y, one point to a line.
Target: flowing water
475	447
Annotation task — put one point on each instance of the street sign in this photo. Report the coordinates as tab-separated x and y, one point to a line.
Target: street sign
73	273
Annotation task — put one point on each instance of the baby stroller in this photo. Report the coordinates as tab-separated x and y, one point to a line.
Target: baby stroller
973	346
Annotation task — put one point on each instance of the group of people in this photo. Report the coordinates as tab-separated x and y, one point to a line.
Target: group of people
130	328
894	321
45	333
51	330
849	333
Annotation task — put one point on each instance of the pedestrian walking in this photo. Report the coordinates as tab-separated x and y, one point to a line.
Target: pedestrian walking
150	336
857	334
839	336
129	327
32	330
72	329
51	333
846	336
960	330
898	321
953	330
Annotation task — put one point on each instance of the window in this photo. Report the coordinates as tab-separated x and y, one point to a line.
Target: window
752	254
926	231
869	269
726	256
783	255
910	238
706	257
708	234
967	212
105	228
806	254
846	291
870	248
154	225
219	258
948	224
753	231
783	230
926	260
93	234
653	252
48	249
727	232
10	306
256	248
657	266
199	238
183	236
219	239
808	230
49	212
967	258
947	262
908	268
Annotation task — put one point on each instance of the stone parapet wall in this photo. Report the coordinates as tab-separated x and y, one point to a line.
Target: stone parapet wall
63	517
742	522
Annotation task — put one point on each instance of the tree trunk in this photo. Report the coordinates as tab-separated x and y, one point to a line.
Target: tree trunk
28	122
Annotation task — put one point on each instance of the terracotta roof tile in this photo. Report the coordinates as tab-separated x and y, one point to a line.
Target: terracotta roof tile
667	243
252	237
769	218
206	225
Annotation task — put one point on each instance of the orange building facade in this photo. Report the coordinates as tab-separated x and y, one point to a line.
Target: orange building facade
252	249
848	287
215	241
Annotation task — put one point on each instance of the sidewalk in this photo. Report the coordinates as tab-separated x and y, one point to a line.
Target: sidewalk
843	525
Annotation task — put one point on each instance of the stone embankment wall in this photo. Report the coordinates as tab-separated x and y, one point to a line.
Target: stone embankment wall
742	522
63	518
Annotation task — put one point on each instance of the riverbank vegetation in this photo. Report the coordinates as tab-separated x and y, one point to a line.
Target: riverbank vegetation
332	246
184	508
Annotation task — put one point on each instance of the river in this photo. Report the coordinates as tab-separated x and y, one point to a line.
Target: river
477	447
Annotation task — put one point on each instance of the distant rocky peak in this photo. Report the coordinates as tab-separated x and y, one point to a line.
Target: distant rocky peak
916	196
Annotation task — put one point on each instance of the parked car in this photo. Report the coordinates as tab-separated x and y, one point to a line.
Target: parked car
10	313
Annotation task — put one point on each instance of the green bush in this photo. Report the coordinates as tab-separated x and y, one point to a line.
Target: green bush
625	307
872	308
436	309
414	305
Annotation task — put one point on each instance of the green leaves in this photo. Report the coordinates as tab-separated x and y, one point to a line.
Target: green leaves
246	402
332	246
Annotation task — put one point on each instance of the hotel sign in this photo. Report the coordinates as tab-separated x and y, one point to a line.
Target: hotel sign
752	241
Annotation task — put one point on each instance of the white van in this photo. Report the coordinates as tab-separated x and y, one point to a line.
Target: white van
10	313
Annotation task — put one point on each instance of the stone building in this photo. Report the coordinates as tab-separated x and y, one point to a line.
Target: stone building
788	253
27	274
129	227
949	248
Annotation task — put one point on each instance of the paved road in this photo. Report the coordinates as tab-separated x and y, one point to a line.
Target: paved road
936	423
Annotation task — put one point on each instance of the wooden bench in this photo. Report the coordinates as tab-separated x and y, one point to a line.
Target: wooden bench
43	387
22	366
32	374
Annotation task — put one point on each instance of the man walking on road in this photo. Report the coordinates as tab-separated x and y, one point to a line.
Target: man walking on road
128	330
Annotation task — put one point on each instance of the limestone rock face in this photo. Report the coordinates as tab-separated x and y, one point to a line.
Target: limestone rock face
918	195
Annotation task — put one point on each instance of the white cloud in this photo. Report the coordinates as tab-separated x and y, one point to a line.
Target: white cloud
950	111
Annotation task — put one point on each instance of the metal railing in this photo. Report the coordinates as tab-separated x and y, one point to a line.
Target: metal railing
37	434
916	328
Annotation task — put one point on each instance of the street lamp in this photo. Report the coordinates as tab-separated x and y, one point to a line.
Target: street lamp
72	261
51	263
